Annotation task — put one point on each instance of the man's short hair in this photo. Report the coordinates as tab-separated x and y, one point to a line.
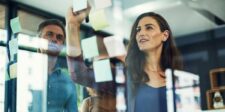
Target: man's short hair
51	22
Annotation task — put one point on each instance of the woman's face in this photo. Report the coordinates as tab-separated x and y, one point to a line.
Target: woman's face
149	37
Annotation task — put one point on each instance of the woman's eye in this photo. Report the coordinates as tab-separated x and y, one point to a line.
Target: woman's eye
148	28
138	29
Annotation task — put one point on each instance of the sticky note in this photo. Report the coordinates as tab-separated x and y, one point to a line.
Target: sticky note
100	4
3	35
13	47
7	76
114	46
3	64
98	20
32	69
90	47
13	70
15	25
102	70
79	5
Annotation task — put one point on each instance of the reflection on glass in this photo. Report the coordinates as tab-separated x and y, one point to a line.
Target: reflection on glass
3	62
29	22
187	91
2	16
32	42
31	82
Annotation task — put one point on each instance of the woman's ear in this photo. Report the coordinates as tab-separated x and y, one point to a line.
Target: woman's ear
165	35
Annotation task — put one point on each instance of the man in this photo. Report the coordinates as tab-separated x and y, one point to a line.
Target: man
61	93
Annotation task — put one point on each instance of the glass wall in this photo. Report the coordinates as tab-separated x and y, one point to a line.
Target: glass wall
2	17
199	85
3	55
3	37
4	76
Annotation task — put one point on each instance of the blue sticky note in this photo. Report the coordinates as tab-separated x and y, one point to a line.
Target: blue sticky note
79	5
90	47
102	70
15	25
98	20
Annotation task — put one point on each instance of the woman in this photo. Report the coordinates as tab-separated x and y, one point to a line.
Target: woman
151	50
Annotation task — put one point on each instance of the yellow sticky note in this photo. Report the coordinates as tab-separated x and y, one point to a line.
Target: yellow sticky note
15	25
90	47
114	46
102	70
100	4
98	20
13	70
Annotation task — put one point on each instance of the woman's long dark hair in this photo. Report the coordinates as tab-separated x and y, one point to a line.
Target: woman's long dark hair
136	59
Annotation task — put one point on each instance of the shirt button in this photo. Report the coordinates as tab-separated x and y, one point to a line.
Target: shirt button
49	86
49	103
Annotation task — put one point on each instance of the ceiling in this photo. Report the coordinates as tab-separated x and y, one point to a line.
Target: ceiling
184	16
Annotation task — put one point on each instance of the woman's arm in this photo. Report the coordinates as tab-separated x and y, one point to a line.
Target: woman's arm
80	73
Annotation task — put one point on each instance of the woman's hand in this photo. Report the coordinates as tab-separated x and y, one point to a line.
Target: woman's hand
77	17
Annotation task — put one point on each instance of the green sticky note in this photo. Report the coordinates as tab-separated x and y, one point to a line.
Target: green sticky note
98	20
102	71
7	76
90	47
15	25
13	48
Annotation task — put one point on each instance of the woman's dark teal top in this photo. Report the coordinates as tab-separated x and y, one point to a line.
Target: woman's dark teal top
150	99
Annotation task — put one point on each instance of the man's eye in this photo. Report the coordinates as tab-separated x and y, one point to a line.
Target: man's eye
59	37
49	34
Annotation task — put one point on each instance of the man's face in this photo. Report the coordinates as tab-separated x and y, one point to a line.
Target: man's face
55	36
